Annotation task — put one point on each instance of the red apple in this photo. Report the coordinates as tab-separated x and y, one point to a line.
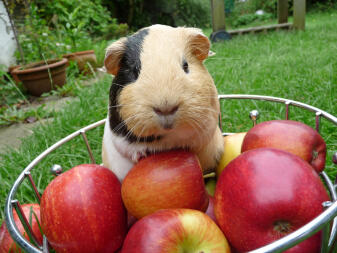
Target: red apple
210	209
7	245
82	211
265	194
292	136
171	179
175	230
131	220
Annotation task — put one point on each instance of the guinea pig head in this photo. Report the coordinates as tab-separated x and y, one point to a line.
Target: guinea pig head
161	85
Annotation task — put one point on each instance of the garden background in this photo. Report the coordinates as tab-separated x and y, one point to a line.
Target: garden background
298	65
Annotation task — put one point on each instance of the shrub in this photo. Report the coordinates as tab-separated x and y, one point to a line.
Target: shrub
250	18
193	13
59	27
115	30
91	15
140	13
244	12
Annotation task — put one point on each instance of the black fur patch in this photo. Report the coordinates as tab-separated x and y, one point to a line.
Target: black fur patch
129	70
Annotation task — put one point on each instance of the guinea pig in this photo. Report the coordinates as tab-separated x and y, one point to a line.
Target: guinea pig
162	97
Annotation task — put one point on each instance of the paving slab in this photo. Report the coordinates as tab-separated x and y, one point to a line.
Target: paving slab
10	136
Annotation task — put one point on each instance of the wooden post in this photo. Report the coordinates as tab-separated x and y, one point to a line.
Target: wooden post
282	11
218	15
299	14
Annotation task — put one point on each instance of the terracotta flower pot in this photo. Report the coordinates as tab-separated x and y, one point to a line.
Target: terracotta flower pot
13	75
82	58
39	78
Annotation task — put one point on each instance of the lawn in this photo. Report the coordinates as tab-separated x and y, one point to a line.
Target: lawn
298	65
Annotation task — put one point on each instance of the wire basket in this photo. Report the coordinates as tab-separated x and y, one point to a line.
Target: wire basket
326	221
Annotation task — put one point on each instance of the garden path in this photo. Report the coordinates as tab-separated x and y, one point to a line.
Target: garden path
11	136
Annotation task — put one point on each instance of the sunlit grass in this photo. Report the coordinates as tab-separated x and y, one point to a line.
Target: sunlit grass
298	65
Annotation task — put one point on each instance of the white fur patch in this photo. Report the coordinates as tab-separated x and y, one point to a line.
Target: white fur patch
120	154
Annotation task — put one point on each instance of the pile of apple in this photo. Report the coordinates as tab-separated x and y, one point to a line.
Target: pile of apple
270	186
267	186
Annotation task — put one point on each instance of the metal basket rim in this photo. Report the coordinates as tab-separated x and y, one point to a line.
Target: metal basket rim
277	246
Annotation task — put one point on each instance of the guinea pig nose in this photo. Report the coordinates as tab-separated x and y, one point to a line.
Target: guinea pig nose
165	110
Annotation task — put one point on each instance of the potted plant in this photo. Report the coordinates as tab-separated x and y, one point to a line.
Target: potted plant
43	76
40	76
86	59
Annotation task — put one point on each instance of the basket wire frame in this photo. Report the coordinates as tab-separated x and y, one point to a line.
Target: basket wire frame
326	221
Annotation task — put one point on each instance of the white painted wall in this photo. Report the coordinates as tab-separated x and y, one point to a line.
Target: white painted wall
7	42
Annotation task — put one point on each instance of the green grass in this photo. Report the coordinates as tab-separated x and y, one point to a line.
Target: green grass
13	97
297	65
291	64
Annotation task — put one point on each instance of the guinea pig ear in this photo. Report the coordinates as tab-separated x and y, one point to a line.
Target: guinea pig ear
198	44
113	56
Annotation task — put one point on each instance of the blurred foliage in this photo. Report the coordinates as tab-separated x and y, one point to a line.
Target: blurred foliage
10	93
115	30
251	6
140	13
243	12
250	18
50	29
321	5
37	40
89	16
12	99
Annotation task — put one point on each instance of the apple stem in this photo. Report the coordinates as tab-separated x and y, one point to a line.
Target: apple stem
282	226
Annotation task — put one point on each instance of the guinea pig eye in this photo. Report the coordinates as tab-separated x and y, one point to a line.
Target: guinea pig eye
185	67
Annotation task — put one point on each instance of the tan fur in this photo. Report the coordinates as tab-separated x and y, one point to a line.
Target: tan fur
113	55
163	84
213	149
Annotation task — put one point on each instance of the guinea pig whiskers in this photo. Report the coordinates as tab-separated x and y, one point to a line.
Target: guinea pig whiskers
140	134
202	124
130	132
117	84
197	124
125	105
201	110
114	106
119	126
198	129
207	97
127	120
123	123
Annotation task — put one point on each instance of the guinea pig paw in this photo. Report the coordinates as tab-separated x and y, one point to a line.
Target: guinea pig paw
138	156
